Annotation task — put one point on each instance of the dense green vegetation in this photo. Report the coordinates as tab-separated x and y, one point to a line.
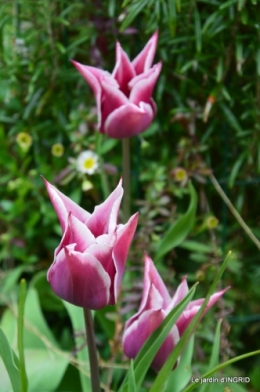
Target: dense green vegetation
208	122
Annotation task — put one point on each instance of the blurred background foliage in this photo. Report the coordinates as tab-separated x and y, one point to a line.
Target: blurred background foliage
208	120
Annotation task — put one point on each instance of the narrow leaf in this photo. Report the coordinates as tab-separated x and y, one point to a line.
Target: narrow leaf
235	169
231	118
11	362
180	229
220	367
214	356
22	296
76	316
131	378
197	30
180	377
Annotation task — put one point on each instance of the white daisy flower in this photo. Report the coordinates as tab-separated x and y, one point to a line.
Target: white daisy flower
87	162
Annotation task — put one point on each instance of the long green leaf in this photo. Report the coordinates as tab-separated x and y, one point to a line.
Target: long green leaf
133	11
22	296
180	229
11	362
164	373
214	357
220	367
231	118
154	342
197	30
76	316
180	377
131	378
236	168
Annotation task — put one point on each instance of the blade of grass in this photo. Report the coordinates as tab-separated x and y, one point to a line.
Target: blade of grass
214	357
22	296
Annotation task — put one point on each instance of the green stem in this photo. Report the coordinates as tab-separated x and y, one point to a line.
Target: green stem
92	350
234	211
126	177
103	177
22	296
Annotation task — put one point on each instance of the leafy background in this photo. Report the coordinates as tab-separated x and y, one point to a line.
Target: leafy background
208	99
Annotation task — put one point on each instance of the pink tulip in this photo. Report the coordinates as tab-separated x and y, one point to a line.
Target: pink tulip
155	305
89	262
124	104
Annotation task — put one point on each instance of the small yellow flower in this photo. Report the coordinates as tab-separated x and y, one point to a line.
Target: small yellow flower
24	140
87	162
57	150
180	174
212	222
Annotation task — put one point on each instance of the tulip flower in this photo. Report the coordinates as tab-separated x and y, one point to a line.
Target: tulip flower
124	104
155	306
89	262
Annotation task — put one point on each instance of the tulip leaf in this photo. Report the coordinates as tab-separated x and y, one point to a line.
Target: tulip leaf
180	377
131	378
45	362
77	320
165	371
221	366
10	361
207	387
154	342
180	229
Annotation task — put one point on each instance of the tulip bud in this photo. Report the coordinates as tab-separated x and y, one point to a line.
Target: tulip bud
156	304
124	98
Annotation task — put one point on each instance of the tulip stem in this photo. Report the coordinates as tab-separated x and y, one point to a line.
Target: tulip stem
92	350
103	177
126	177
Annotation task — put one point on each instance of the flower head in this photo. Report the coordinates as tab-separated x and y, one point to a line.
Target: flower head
24	140
87	162
89	262
155	306
57	150
124	103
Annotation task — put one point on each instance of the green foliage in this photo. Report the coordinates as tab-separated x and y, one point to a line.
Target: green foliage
10	361
180	228
208	100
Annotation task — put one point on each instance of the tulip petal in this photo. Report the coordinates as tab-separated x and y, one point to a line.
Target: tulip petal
151	276
142	86
80	279
64	205
189	313
104	218
112	99
125	234
180	293
137	332
79	234
145	58
92	78
102	251
129	120
124	70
